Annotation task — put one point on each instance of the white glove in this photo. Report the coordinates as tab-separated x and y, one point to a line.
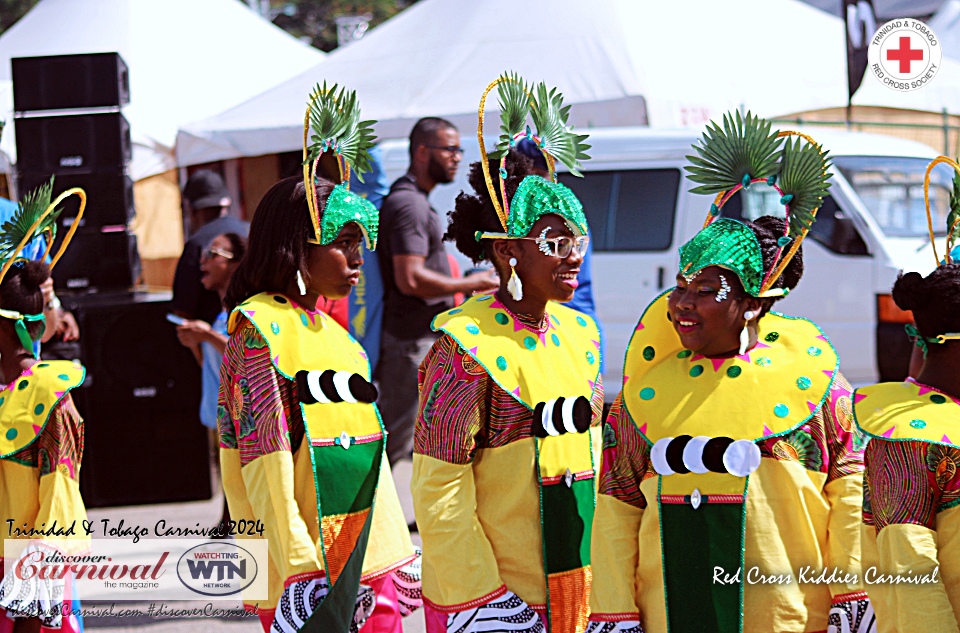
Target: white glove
33	597
854	616
301	599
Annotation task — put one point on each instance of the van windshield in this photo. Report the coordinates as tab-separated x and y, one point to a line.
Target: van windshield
891	189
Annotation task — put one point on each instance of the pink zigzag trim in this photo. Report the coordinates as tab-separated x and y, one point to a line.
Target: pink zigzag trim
888	432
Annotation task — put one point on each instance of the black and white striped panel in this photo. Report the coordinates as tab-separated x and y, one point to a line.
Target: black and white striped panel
333	386
703	454
563	415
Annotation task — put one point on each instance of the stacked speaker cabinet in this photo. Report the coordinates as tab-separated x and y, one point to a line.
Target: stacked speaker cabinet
140	402
69	124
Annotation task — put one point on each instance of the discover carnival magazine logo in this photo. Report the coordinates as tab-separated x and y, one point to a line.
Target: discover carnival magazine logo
904	54
142	570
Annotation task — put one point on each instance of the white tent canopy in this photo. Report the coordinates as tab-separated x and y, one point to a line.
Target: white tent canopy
620	62
188	59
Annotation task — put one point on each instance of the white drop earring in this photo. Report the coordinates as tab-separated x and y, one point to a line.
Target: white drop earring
745	332
514	285
302	287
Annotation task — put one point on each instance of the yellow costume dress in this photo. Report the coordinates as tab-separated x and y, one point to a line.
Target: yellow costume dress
309	471
505	515
911	525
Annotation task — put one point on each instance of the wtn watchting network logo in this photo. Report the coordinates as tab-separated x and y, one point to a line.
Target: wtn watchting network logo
904	54
217	569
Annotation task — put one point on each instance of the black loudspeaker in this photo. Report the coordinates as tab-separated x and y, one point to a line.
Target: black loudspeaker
74	143
109	196
97	260
70	81
143	439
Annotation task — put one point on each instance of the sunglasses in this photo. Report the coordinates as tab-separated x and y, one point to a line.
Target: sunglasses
210	253
453	149
551	246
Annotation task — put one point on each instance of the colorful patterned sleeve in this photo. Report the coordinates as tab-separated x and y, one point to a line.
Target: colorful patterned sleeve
59	451
843	489
460	571
255	452
905	487
616	524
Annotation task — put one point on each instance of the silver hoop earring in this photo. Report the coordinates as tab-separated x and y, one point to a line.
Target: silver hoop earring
514	285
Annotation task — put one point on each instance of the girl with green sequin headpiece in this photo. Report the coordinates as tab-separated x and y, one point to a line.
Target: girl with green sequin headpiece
35	220
536	195
338	136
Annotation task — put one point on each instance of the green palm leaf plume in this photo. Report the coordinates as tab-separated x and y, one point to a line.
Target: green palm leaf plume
335	123
556	137
953	218
31	207
744	146
514	96
803	175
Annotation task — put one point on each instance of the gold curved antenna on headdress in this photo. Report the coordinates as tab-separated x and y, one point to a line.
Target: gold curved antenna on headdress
926	199
784	261
484	160
30	235
310	171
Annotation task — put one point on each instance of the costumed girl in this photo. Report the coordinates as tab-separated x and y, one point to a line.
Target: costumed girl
41	433
911	489
301	442
730	488
503	482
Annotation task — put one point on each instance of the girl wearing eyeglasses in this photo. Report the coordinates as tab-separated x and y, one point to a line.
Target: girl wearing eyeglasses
510	403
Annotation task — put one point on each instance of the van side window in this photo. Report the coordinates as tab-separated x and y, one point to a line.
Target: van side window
834	230
628	210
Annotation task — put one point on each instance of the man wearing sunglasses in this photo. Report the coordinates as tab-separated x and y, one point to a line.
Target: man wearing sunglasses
417	280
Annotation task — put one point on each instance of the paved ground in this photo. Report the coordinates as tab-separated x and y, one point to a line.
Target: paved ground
206	513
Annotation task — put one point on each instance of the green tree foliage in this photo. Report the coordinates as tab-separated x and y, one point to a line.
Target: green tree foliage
316	19
13	10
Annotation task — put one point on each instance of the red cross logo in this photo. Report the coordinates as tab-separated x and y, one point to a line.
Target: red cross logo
905	55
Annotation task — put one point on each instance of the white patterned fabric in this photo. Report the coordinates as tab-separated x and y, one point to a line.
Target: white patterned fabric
627	626
301	599
855	616
507	613
33	597
407	582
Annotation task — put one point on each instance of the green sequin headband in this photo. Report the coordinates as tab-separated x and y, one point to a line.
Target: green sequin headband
335	118
556	141
535	198
729	244
21	327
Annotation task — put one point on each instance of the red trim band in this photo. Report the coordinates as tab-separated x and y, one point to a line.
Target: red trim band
389	569
473	604
615	617
685	499
850	597
556	479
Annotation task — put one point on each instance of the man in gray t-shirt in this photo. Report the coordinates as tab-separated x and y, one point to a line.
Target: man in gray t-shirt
416	275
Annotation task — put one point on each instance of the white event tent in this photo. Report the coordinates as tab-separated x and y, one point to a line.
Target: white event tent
620	62
188	59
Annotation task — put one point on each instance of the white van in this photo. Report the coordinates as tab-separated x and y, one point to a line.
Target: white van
638	202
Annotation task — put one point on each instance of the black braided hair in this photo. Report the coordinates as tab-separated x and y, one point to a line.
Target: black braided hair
475	212
934	299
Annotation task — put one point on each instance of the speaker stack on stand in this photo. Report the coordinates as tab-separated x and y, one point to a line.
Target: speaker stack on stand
143	439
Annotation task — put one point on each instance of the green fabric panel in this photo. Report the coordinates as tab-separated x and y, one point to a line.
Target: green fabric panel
335	612
347	478
694	542
567	524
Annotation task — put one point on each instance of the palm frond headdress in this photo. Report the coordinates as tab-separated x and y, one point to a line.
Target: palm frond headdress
34	219
557	141
743	152
953	216
333	114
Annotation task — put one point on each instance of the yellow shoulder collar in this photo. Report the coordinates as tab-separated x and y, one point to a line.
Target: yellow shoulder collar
779	384
907	411
534	367
26	403
282	323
